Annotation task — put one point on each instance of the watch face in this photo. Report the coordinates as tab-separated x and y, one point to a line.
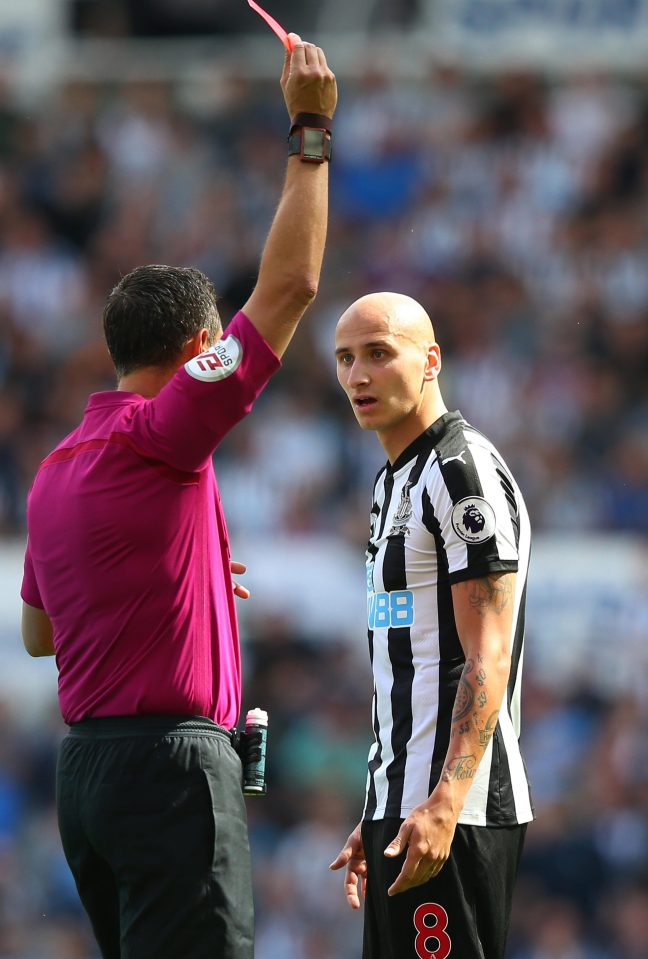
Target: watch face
314	143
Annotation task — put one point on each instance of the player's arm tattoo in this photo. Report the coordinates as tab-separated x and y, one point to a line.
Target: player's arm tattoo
469	703
465	698
485	733
490	593
459	767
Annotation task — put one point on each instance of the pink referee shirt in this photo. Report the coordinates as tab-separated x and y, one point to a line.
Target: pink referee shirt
128	551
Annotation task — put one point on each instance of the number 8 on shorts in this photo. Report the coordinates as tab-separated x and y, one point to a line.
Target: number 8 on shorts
429	931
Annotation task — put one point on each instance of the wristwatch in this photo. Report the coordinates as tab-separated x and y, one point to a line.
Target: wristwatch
310	144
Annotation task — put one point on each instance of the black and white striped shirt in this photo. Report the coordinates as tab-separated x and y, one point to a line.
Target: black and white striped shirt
447	510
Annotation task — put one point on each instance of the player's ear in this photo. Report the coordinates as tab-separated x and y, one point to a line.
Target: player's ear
433	362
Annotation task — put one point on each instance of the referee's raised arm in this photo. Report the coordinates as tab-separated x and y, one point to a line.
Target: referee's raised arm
292	258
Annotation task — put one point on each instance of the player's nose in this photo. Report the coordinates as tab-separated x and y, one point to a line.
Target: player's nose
358	375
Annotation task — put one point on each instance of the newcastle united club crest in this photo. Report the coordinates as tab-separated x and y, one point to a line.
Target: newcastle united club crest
403	514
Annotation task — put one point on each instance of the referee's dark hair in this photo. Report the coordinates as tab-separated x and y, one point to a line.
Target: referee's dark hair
152	313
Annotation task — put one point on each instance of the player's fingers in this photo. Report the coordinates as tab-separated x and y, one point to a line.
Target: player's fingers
410	874
237	567
241	591
436	867
399	843
342	857
424	872
402	883
351	879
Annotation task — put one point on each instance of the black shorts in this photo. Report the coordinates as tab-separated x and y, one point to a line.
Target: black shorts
463	913
154	829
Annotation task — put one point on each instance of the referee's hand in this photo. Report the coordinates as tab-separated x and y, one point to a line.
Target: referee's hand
353	857
308	84
239	590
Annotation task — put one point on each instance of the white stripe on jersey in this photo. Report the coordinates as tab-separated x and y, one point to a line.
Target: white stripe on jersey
517	771
474	811
417	548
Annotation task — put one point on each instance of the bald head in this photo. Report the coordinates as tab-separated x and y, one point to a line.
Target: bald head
388	364
388	313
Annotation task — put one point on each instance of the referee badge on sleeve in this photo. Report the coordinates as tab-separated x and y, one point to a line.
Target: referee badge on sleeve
473	519
218	362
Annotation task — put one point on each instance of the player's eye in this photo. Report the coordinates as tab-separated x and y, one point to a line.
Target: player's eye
378	354
345	359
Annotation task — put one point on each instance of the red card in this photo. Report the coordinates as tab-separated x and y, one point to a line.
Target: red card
272	23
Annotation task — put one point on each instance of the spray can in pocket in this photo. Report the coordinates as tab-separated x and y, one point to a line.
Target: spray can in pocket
254	752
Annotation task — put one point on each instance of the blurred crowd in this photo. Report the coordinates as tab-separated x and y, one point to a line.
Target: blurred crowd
515	209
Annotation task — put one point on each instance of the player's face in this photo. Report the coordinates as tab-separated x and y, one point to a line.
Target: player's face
382	371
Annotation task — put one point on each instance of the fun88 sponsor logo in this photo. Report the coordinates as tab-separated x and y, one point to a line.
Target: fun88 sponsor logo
390	610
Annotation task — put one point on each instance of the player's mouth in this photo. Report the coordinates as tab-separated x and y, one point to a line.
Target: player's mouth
364	402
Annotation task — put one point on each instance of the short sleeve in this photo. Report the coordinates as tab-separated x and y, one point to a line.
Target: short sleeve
185	422
474	509
29	590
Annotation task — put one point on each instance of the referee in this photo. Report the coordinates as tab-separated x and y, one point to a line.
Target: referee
128	583
447	803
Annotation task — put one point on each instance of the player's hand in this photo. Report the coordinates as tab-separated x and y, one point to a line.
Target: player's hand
239	590
308	84
353	857
427	835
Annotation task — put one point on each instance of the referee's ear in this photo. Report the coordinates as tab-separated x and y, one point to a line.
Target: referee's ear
205	341
198	344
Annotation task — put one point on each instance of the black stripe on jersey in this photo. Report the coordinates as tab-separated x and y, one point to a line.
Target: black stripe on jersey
516	652
394	574
401	658
509	493
451	655
389	489
372	549
500	806
376	762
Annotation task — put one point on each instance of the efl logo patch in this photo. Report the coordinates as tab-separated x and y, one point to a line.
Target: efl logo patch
473	520
218	362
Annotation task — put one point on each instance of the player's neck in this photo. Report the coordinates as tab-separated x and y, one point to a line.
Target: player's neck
396	440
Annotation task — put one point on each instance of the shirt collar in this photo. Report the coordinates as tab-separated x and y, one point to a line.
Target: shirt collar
429	437
112	398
